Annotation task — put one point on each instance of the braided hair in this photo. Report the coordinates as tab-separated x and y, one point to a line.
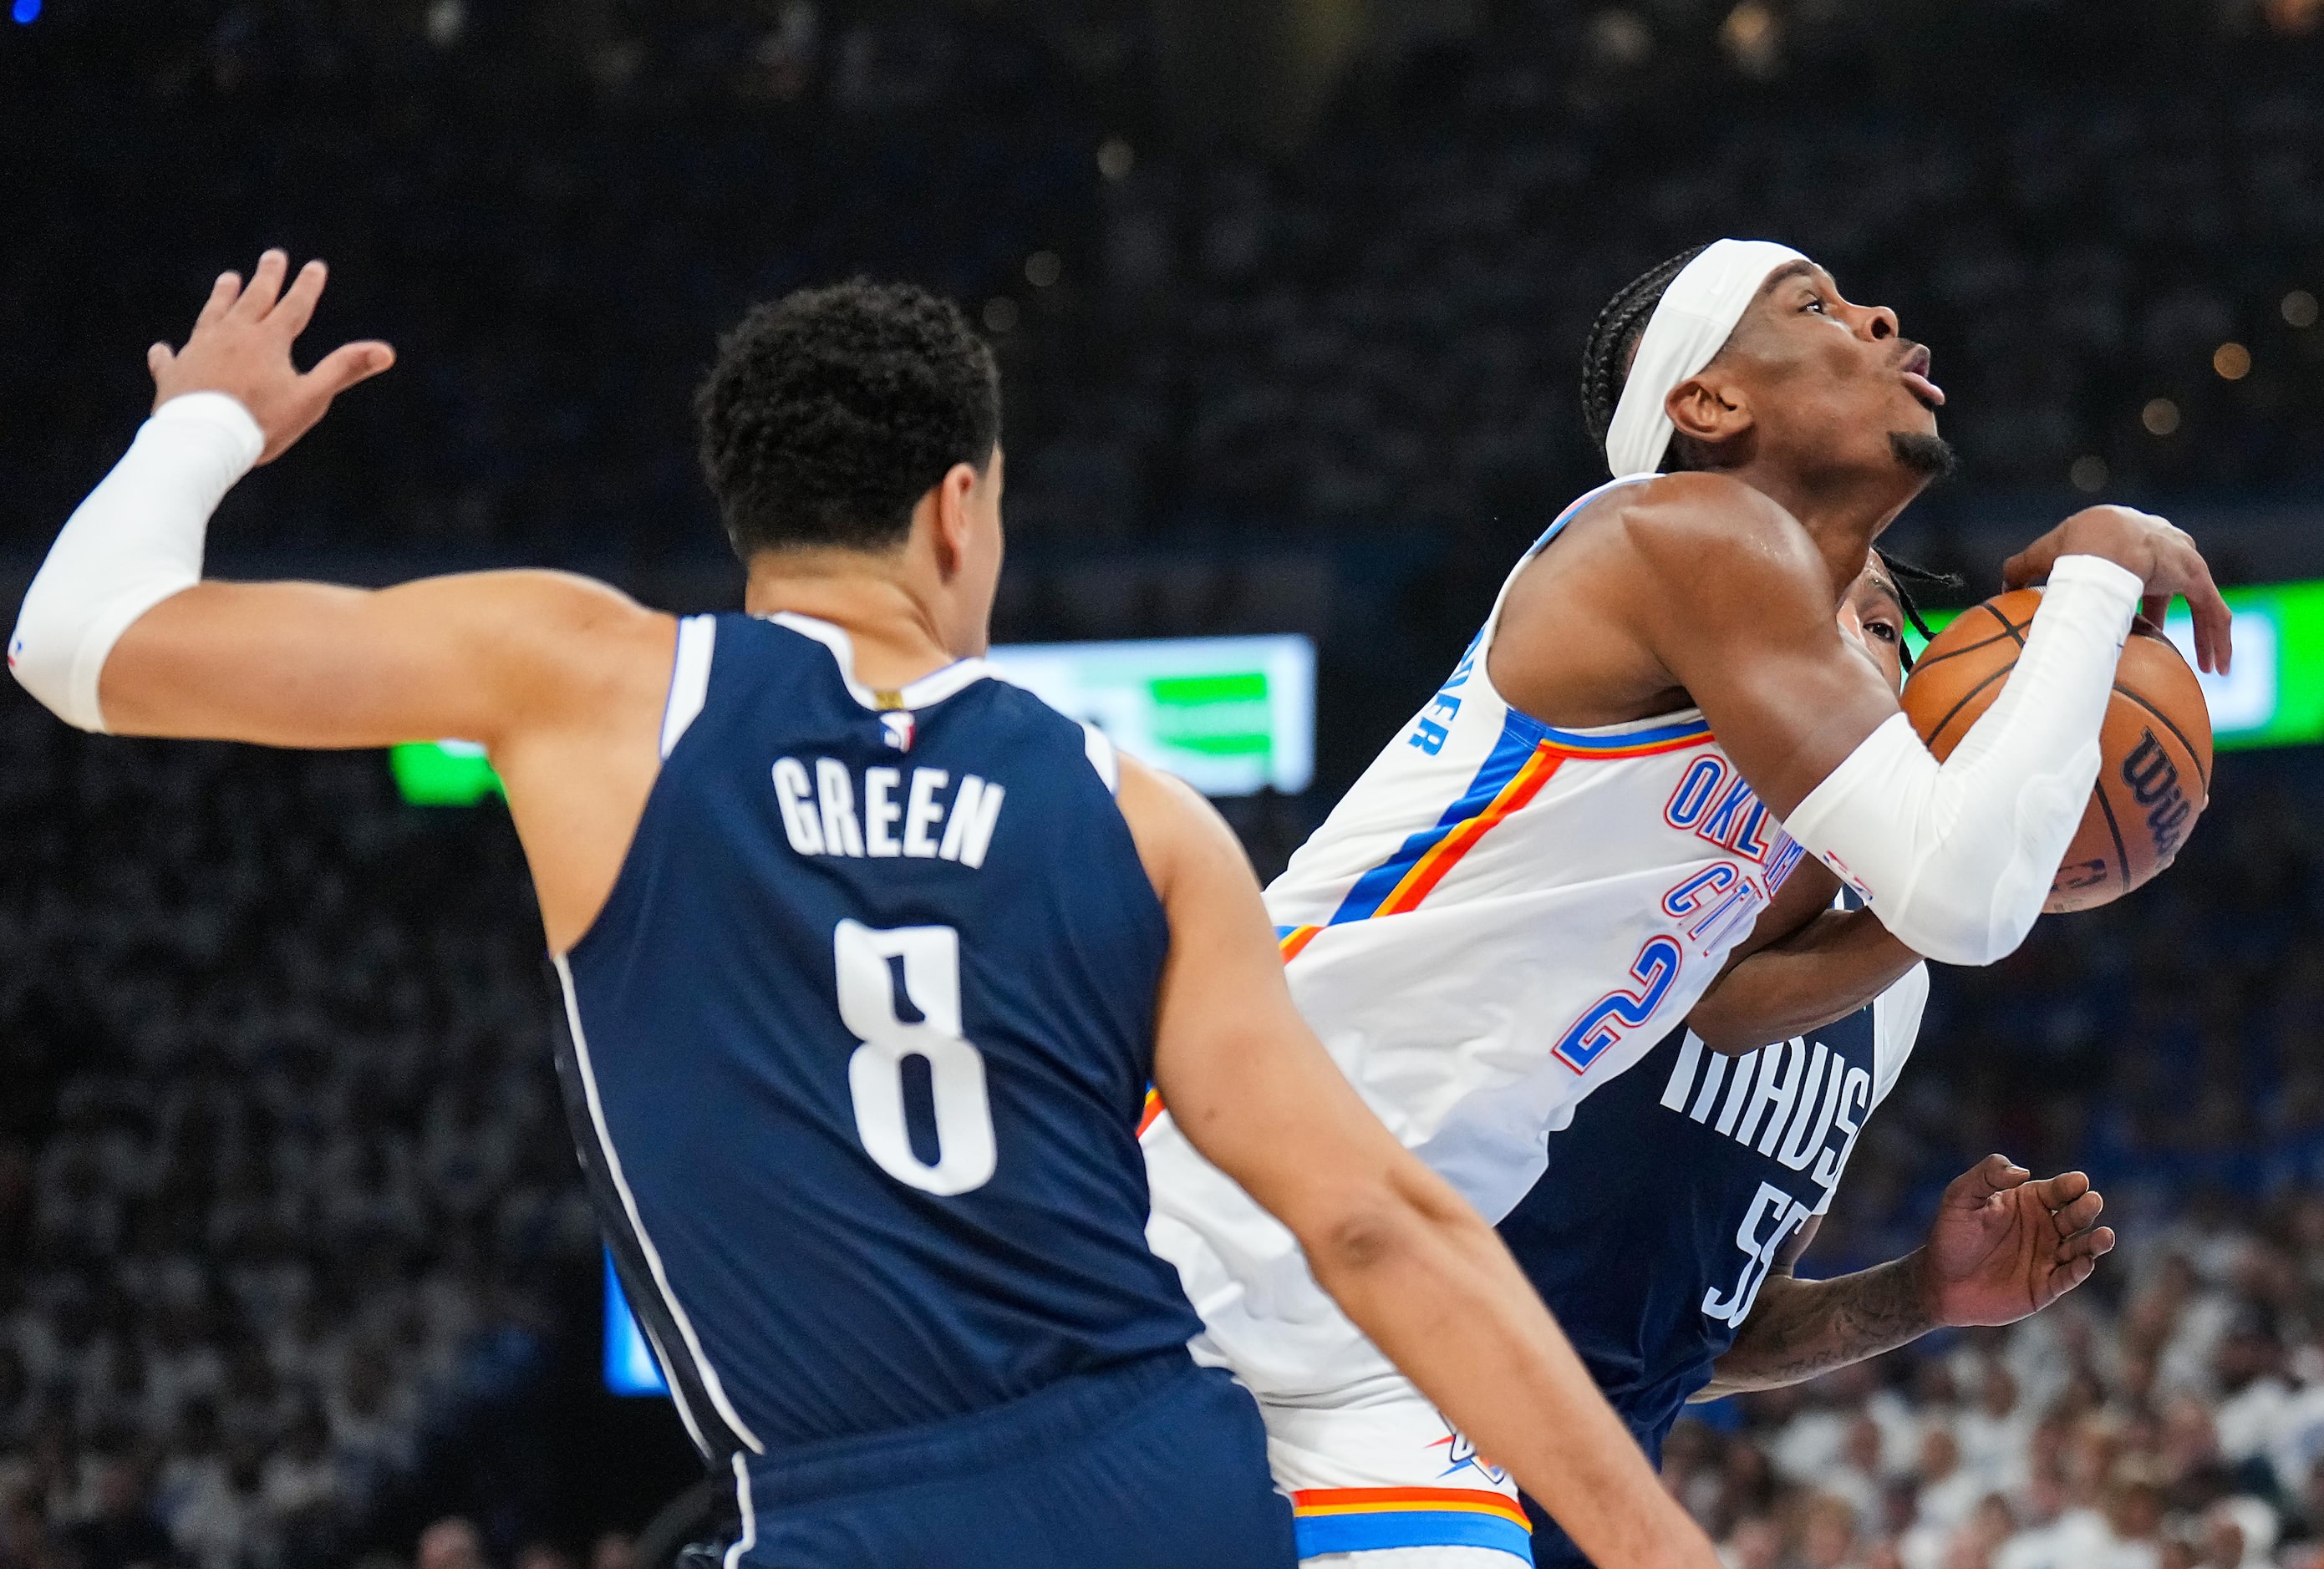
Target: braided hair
1613	338
1902	574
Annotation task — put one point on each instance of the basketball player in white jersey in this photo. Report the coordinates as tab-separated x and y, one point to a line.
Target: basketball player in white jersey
1542	873
860	476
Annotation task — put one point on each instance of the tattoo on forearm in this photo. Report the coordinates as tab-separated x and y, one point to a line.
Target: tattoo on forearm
1800	1328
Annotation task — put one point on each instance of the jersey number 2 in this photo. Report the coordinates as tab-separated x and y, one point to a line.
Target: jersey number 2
929	959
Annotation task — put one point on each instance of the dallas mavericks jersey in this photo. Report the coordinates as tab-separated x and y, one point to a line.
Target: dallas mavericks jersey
858	1045
1691	1171
1500	917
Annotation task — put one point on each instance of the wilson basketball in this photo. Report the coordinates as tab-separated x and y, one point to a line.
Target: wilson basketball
2155	777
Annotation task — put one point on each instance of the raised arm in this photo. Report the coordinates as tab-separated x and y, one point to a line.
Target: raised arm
1957	858
561	678
1411	1263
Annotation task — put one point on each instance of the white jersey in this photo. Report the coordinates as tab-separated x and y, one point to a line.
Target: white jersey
1498	918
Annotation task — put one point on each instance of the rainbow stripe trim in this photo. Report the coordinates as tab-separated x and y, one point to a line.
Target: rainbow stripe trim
1153	1109
1366	1519
1523	760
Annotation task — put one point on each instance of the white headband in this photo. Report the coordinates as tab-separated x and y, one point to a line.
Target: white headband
1696	315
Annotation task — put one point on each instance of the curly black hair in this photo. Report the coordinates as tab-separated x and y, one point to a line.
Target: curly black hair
1613	338
832	411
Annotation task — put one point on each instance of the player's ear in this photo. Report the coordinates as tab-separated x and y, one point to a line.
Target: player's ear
953	527
1709	410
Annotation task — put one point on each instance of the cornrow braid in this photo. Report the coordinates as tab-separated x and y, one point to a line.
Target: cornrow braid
1605	356
1901	571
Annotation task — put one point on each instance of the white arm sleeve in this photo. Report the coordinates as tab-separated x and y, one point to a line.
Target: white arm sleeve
1957	859
135	541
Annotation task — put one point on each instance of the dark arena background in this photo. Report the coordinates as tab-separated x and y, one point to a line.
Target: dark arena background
296	1269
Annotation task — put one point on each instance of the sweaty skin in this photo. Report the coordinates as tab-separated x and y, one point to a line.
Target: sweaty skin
1718	590
564	681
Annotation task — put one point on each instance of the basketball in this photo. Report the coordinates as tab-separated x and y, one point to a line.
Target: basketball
2154	774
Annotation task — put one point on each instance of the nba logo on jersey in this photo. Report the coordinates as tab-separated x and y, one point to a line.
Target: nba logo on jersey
898	726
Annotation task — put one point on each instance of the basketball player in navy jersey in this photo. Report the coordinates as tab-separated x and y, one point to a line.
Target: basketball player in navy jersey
1664	1231
868	958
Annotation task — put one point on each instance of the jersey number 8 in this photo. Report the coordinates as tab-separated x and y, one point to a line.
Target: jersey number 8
929	959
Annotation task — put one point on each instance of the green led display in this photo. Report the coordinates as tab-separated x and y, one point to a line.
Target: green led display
442	773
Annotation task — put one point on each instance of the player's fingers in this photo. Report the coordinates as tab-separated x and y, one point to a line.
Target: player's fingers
2058	1191
2030	564
297	307
157	360
2079	1216
347	365
1994	1174
2214	639
223	294
265	284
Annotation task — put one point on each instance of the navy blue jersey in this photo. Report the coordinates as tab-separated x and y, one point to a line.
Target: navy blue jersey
1666	1200
858	1045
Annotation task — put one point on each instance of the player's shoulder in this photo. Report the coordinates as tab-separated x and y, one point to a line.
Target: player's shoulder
1700	513
1706	536
545	602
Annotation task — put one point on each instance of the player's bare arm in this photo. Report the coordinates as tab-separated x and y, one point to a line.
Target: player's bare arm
2003	1247
1809	430
1405	1256
1825	971
562	679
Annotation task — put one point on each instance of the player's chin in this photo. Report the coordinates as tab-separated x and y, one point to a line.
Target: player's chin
1923	452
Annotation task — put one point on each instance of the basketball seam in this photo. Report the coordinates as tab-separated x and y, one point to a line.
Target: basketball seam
1925	663
1954	713
2164	721
2121	852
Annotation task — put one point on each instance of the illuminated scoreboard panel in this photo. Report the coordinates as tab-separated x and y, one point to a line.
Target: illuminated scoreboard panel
1232	716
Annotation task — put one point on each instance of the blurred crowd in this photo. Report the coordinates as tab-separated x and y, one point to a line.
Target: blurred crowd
281	1175
2169	1415
2108	231
281	1162
284	1193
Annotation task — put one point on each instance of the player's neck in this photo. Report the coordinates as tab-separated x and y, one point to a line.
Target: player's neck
898	635
1843	514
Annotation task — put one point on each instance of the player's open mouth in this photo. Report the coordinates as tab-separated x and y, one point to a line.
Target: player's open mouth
1927	393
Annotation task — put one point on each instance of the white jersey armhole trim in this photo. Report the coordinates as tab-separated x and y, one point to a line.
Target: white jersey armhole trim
711	1385
1102	757
749	1537
689	678
1896	1025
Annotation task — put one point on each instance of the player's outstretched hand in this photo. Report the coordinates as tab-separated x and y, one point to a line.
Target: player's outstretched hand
2004	1246
241	346
2164	558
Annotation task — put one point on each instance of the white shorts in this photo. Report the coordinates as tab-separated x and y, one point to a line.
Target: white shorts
1388	1484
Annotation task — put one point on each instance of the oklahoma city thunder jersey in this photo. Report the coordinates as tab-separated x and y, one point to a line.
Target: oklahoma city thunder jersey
1498	918
858	1047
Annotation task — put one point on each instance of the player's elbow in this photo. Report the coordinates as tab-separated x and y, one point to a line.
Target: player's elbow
42	658
1977	922
1364	1234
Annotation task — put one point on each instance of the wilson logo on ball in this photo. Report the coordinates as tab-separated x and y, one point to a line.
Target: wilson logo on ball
2154	781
